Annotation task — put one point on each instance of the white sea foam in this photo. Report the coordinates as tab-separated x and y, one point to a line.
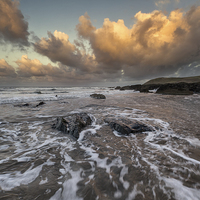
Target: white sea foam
134	193
182	192
14	179
124	171
43	181
4	147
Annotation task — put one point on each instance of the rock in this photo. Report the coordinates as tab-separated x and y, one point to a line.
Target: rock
73	124
175	89
38	92
138	87
194	87
22	105
131	87
125	126
39	104
25	104
98	96
117	88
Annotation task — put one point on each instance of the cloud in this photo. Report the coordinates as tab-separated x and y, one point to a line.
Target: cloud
6	70
29	68
155	45
58	48
13	27
161	3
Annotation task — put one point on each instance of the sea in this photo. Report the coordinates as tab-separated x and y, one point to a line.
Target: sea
38	162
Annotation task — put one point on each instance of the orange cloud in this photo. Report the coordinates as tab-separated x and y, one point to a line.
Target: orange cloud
13	27
155	45
29	68
59	49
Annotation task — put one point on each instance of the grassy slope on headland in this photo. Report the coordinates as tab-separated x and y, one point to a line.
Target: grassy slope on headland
193	79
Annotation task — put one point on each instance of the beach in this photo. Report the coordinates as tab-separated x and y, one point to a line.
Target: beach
39	162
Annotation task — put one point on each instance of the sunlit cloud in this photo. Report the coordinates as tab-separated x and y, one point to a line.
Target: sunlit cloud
155	45
29	68
13	27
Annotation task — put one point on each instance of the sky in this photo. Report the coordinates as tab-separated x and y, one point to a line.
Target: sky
97	43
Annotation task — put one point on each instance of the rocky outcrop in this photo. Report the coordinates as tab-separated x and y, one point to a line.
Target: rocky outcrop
125	126
194	87
181	88
73	124
129	87
98	96
117	88
141	88
175	89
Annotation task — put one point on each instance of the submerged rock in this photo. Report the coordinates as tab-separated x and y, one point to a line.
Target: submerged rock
73	124
125	126
39	104
22	105
26	104
98	96
38	92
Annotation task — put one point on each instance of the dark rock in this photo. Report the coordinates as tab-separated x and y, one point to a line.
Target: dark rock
146	88
39	104
73	124
38	92
138	87
175	89
194	87
180	88
25	104
117	88
125	126
98	96
131	87
22	105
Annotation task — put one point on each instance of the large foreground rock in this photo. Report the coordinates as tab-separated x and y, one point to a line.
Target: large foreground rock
73	124
125	126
